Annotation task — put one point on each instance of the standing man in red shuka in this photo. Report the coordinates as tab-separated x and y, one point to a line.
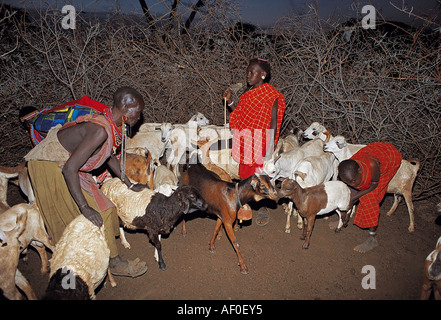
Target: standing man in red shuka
369	172
256	121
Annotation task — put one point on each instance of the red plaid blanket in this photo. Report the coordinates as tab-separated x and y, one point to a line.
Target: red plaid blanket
390	160
252	120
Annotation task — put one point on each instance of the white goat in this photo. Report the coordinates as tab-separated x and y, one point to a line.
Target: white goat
34	233
316	130
149	138
221	158
283	164
180	136
401	183
10	276
147	141
82	254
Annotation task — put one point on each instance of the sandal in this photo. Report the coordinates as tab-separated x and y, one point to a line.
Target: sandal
135	268
262	217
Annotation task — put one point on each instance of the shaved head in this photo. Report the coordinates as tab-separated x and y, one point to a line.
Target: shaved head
349	172
127	96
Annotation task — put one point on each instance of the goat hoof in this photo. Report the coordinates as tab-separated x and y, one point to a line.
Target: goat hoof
287	230
163	267
244	271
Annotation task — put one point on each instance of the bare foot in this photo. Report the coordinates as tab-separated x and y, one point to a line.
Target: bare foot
368	245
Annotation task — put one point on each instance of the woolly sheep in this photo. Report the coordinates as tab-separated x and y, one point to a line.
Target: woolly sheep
151	211
81	256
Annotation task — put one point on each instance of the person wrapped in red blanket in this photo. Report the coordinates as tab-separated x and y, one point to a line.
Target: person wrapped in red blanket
256	122
369	172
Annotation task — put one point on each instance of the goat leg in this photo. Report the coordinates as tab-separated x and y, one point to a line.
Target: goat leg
408	199
309	224
215	232
232	237
184	228
303	237
343	220
24	285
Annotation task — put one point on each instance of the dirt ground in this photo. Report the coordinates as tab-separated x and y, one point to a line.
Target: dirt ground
278	267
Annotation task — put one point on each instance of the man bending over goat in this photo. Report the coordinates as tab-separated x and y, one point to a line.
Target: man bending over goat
60	170
369	171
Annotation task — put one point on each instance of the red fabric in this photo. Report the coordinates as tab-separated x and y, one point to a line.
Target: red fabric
389	158
252	120
84	101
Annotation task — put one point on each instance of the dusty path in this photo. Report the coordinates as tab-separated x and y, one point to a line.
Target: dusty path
279	268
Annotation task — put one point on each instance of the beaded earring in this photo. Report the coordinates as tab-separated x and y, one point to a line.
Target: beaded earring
123	148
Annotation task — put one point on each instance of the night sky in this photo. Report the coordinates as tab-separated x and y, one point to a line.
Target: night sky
261	12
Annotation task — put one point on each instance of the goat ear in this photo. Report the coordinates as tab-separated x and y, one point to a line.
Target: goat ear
3	238
341	145
255	182
328	135
184	203
300	174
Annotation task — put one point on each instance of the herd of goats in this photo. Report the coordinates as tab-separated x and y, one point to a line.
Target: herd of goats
211	183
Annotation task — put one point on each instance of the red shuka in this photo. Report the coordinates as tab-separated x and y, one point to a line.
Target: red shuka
389	158
251	120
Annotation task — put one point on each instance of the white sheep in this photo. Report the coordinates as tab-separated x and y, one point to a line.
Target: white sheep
80	261
401	183
10	276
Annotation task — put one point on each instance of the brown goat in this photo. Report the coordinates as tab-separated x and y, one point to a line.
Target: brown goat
140	169
225	199
318	200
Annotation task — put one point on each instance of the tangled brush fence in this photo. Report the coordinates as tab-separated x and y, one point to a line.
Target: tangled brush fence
368	85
